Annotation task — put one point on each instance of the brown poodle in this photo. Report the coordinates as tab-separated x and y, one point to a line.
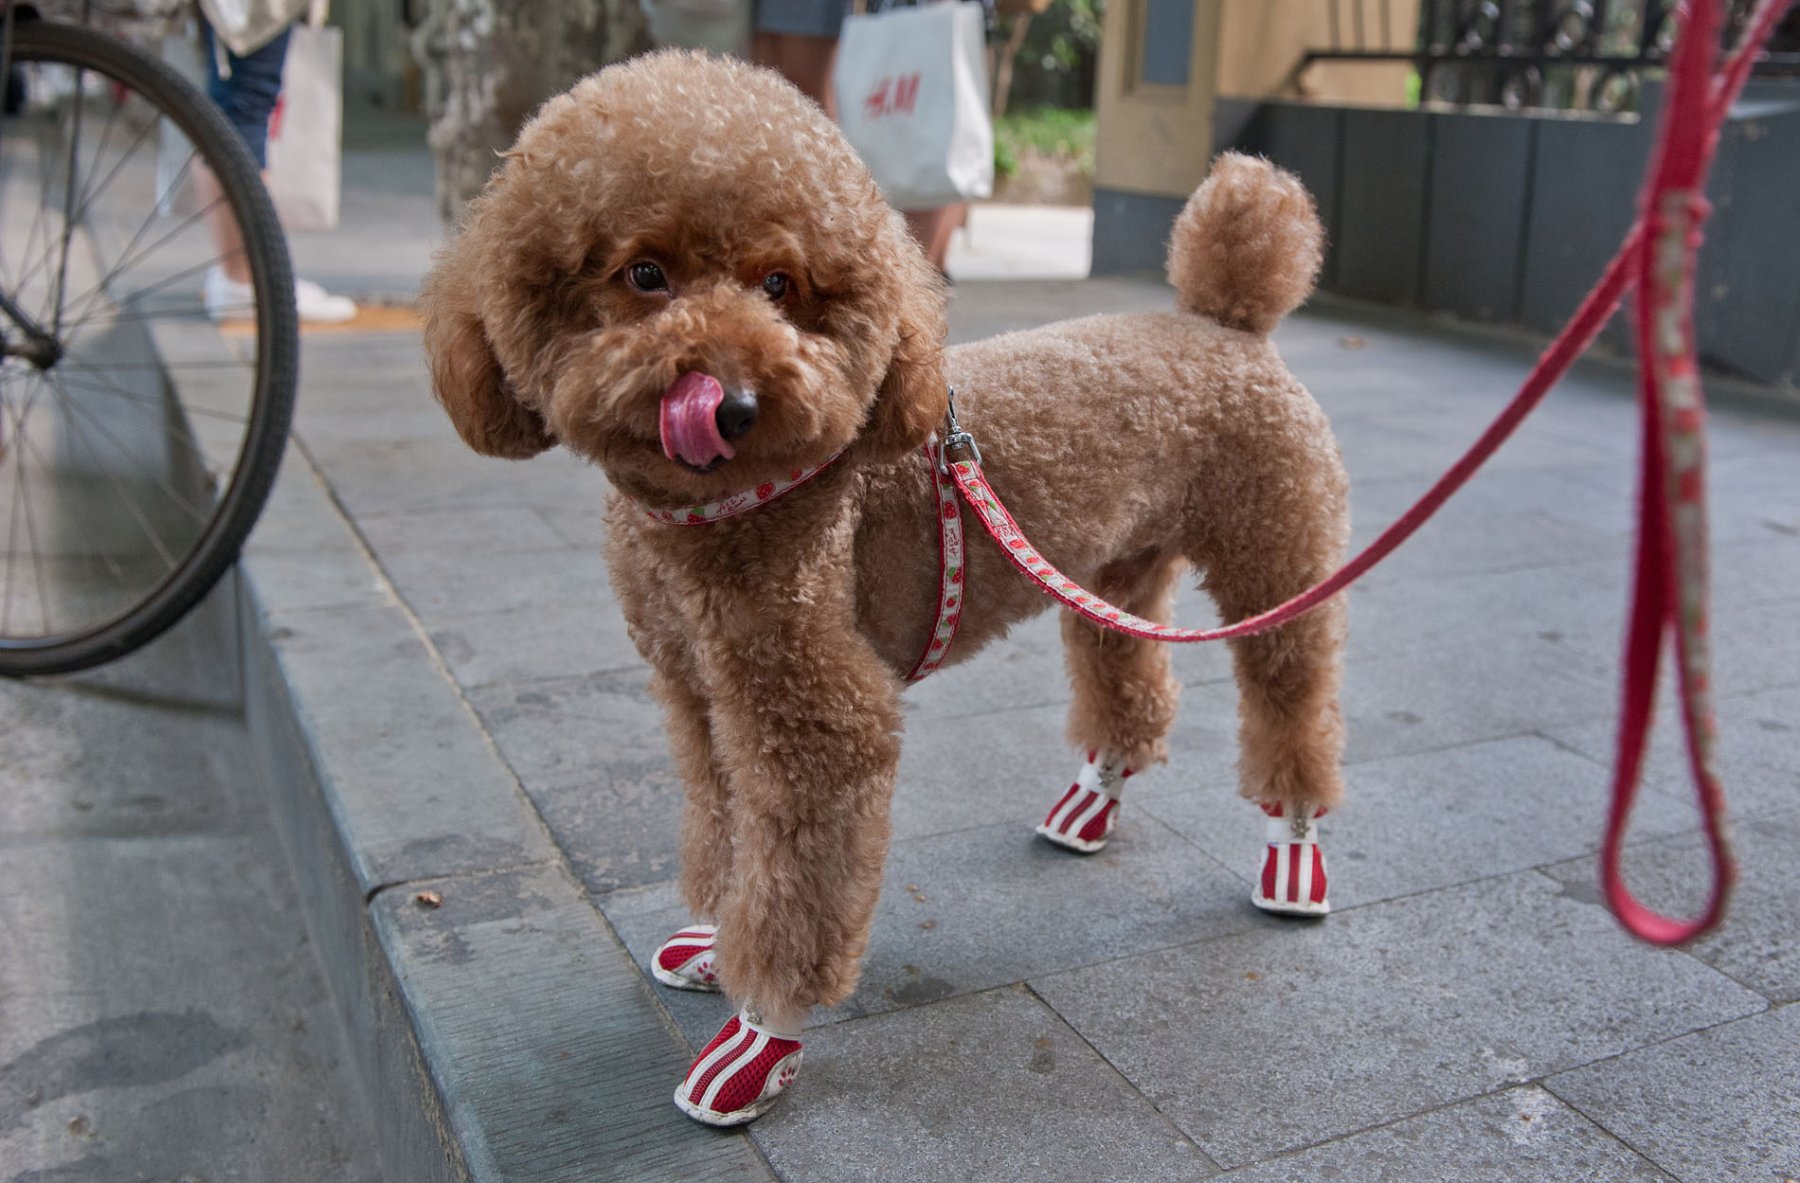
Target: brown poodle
684	273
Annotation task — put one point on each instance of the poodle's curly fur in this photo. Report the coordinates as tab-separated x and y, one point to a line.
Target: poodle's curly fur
1129	447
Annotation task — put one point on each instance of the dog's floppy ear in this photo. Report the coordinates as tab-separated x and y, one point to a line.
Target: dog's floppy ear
465	374
912	401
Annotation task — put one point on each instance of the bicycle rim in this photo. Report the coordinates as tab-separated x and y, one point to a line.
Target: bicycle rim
145	389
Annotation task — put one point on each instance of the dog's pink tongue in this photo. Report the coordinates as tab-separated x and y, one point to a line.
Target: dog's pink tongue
690	425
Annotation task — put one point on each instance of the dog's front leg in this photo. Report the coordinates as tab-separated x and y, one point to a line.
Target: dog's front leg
806	720
706	812
809	730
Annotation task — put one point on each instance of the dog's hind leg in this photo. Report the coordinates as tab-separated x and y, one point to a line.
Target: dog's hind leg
1290	740
1268	540
1125	701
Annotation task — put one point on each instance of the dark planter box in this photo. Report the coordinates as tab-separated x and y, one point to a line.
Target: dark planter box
1509	218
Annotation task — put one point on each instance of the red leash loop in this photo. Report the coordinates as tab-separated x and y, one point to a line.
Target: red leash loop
1670	594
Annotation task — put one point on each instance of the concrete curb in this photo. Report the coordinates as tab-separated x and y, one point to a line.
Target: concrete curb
503	1033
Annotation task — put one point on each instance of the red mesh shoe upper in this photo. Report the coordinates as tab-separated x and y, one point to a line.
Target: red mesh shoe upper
682	947
1098	826
747	1080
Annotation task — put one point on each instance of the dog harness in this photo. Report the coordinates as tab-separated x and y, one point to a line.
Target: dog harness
950	538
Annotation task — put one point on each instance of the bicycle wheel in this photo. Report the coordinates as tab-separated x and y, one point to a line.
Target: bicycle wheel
145	389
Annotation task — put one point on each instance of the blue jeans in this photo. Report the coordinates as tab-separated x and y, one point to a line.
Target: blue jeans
248	96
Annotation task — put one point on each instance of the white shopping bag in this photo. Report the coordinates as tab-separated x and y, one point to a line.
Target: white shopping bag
306	130
912	97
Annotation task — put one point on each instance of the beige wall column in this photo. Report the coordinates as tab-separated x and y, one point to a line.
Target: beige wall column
1158	73
1164	62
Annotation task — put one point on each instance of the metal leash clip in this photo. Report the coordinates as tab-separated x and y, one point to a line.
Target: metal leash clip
958	438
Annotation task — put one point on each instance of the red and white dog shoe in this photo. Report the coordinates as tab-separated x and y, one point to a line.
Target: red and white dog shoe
686	960
1083	818
1292	880
740	1074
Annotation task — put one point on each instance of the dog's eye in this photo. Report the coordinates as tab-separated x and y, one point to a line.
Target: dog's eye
647	277
776	284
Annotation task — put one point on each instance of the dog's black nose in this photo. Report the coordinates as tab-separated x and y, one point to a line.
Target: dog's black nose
736	415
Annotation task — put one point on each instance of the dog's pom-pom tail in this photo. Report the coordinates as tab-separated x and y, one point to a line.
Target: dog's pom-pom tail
1246	249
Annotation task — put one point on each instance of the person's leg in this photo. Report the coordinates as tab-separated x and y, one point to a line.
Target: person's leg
803	60
933	228
798	38
247	97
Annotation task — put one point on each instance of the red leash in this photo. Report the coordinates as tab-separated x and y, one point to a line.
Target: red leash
1671	587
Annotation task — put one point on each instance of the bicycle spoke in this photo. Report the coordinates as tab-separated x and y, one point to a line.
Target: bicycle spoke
93	421
242	313
184	274
100	287
19	416
12	529
68	227
68	366
150	401
37	218
125	497
163	198
48	466
88	190
148	408
87	203
37	558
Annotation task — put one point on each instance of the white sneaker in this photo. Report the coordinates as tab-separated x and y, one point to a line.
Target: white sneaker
319	306
227	299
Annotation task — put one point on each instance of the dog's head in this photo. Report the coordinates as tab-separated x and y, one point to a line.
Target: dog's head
683	272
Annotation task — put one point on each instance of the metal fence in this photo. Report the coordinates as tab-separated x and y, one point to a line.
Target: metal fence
1521	54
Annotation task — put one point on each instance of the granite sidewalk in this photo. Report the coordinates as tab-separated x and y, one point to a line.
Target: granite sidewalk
476	792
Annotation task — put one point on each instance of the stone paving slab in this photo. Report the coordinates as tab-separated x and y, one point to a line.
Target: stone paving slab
1717	1106
420	543
120	789
1270	1041
1759	749
519	646
397	748
1515	1135
303	553
999	1089
592	756
379	476
1756	946
1469	691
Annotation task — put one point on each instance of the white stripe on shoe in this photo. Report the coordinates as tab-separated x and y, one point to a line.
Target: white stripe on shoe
1099	804
748	1056
1059	820
698	1072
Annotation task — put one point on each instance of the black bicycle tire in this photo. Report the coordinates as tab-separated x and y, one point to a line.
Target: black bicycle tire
278	350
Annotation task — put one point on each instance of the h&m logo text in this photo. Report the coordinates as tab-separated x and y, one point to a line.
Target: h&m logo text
892	95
